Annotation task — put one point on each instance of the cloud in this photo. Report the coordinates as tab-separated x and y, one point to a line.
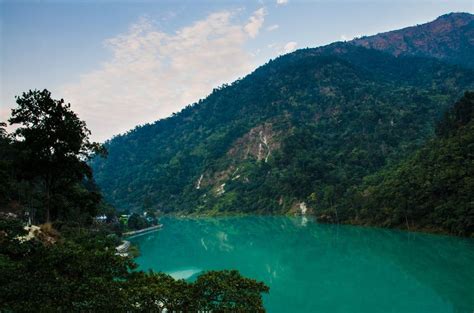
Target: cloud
255	22
348	38
272	27
256	52
289	47
283	49
282	2
272	45
152	74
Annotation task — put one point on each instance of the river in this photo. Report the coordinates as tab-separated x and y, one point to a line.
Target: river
313	267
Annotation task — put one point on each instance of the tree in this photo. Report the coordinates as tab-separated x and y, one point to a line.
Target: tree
54	145
459	115
228	291
81	272
78	273
3	132
432	188
137	222
7	188
156	291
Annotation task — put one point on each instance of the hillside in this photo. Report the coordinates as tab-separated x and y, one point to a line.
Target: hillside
329	119
449	38
298	134
431	189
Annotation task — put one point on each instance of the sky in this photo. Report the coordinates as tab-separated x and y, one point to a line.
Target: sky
126	63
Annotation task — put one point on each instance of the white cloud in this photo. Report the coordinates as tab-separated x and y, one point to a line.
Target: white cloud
348	38
153	74
283	49
289	47
256	53
282	2
272	27
255	22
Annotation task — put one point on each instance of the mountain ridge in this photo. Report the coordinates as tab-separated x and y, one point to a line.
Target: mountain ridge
450	37
298	133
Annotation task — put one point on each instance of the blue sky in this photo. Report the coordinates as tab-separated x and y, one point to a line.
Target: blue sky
124	63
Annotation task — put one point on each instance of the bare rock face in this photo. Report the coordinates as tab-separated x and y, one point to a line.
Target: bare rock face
258	143
300	208
449	38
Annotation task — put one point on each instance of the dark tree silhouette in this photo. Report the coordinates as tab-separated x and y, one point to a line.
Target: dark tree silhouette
54	145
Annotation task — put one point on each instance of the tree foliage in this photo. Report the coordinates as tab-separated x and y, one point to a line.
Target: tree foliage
137	222
82	273
78	269
47	158
432	188
338	114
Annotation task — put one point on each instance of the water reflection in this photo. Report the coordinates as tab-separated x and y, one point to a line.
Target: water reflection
322	268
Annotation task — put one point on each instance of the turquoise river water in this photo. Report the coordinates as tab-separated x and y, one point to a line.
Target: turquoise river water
311	267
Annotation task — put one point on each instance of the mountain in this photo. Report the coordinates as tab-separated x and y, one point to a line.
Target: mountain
298	134
430	189
449	38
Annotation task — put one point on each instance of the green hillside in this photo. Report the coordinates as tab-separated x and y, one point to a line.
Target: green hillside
432	189
298	133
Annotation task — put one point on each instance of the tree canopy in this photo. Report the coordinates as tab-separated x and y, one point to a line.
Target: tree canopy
307	127
430	189
81	272
51	149
71	264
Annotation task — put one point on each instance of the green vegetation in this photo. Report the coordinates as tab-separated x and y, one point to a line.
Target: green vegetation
44	162
342	132
70	264
432	189
80	272
136	222
307	127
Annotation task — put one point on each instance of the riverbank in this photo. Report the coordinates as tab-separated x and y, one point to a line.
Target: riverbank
414	228
141	231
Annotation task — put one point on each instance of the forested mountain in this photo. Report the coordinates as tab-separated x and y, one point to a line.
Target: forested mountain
450	38
298	134
431	189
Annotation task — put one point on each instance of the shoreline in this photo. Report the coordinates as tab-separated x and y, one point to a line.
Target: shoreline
141	231
415	229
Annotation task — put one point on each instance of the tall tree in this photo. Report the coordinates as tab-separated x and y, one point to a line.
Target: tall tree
5	168
3	132
54	145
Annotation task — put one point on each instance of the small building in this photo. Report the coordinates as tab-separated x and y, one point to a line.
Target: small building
100	218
